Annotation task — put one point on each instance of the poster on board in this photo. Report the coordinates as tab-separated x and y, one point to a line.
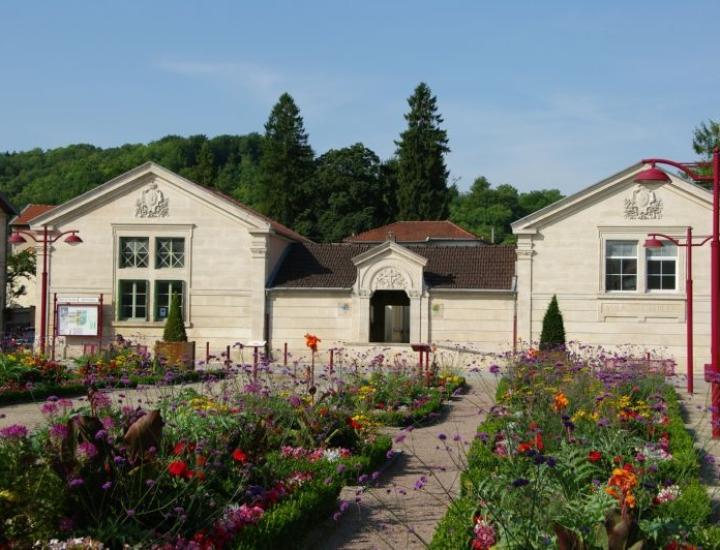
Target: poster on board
77	319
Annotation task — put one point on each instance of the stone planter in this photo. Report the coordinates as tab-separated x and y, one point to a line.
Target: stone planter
176	353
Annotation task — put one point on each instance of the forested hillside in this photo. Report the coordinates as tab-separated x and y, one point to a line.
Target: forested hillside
327	197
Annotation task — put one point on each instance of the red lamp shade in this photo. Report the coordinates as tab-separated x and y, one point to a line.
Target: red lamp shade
651	175
73	239
16	238
653	242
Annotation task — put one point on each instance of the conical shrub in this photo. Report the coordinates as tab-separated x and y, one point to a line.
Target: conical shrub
174	324
553	328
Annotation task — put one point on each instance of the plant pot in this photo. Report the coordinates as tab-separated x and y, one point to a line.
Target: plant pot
176	353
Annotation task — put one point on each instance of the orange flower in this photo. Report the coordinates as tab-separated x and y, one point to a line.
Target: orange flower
311	341
539	445
200	460
630	500
523	448
560	401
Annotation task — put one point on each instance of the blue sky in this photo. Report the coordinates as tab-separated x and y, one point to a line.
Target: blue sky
535	93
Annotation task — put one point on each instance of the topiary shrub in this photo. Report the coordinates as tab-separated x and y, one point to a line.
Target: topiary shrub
553	329
174	324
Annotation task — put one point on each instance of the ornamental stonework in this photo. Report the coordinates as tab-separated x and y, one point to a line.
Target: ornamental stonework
643	204
389	279
152	203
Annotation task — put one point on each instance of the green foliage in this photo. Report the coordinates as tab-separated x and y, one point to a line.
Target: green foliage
174	330
488	212
706	137
422	191
454	530
553	328
287	166
20	265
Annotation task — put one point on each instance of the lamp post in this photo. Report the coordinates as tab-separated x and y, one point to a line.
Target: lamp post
45	238
655	175
653	242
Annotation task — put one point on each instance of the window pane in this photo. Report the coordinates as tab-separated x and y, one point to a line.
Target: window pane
654	282
654	268
170	252
629	282
164	291
612	267
134	251
133	300
612	282
668	282
629	266
668	250
621	248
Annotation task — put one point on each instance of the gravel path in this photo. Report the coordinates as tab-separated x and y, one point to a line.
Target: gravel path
386	514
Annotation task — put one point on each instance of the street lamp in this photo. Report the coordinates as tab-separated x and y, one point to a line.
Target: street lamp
653	242
45	238
655	175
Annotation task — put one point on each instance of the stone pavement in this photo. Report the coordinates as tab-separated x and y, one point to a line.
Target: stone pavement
394	513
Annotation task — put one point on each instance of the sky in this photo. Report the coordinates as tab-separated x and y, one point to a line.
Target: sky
538	94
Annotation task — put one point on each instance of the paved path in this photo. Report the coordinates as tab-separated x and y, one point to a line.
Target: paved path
697	416
384	515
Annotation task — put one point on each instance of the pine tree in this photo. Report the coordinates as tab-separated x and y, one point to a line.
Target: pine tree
174	325
205	166
287	164
553	328
422	192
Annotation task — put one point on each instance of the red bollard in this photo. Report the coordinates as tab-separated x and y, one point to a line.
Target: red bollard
255	364
332	359
227	356
207	353
285	355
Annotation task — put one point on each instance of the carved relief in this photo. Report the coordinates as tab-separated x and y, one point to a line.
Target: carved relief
389	279
643	204
152	203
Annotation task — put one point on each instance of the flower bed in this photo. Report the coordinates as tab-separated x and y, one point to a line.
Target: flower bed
575	455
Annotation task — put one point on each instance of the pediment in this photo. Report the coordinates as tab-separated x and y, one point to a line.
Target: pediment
387	250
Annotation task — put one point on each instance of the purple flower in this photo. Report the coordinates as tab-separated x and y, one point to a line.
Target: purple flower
340	468
76	482
87	450
495	369
150	482
420	483
14	431
49	408
551	461
105	486
442	437
59	431
295	401
520	482
400	437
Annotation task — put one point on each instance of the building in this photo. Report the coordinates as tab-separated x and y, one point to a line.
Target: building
243	277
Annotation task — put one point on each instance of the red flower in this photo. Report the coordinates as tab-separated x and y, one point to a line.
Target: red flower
594	456
239	456
179	448
178	468
539	445
523	448
200	460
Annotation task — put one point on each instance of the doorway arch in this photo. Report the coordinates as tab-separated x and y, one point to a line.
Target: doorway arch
390	316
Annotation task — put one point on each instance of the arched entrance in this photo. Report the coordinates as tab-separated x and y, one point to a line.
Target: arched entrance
390	316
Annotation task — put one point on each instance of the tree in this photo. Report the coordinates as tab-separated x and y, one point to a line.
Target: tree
553	328
706	138
351	181
422	192
287	164
174	330
20	265
205	168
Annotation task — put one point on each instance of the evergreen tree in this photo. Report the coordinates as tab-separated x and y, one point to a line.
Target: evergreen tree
422	192
287	164
174	330
205	166
553	328
706	137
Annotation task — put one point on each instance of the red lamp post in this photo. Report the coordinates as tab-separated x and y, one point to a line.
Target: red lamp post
45	238
655	175
653	242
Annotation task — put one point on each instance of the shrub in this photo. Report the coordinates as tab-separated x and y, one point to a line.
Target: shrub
553	329
174	324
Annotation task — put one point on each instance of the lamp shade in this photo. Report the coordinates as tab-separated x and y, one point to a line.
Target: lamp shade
650	175
653	242
73	239
16	238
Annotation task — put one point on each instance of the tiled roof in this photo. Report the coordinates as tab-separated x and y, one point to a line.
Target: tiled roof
29	212
414	231
313	265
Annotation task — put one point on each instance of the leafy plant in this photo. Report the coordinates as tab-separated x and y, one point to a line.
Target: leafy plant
553	328
174	330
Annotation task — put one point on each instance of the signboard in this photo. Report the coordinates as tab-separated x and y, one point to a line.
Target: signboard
77	319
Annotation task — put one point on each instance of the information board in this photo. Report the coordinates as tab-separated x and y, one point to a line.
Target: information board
77	319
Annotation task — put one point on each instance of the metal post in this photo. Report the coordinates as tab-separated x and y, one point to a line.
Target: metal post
52	355
44	292
227	356
715	295
689	311
207	353
255	364
101	321
332	359
420	364
285	355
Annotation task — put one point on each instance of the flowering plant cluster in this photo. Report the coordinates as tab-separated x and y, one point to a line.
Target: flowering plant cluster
24	369
578	454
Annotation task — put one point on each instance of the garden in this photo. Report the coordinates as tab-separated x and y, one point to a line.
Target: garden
249	460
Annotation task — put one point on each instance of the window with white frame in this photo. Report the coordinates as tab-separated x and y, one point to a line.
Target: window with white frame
169	252
164	291
134	251
661	266
133	300
621	265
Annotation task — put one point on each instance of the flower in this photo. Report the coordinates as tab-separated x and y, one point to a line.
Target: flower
87	450
239	456
560	401
312	341
178	468
484	536
667	494
594	456
14	431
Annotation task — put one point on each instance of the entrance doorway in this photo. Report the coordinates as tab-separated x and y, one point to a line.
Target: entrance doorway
390	316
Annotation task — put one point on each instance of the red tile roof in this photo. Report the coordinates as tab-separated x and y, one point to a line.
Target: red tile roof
414	231
30	212
329	265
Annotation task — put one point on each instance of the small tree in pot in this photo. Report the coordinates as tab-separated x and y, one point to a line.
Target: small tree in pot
175	348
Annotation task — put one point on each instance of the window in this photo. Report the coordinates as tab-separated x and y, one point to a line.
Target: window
170	252
662	267
620	265
134	251
163	294
133	300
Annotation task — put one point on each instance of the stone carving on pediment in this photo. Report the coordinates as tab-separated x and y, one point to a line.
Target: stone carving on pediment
152	203
389	278
643	204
